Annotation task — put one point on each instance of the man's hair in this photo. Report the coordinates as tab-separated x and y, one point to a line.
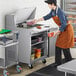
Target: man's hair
52	2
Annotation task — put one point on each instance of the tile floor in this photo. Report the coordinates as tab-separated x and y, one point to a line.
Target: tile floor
25	68
37	65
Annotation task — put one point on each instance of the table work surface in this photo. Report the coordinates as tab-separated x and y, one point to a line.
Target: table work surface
69	67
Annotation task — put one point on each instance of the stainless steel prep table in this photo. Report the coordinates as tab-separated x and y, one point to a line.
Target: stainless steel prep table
26	46
69	67
27	36
9	51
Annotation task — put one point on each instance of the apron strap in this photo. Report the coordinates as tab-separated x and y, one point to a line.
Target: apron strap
56	10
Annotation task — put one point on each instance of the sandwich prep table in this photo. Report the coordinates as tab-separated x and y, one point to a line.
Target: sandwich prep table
33	42
69	7
8	50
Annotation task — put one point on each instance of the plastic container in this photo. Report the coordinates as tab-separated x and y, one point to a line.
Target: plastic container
33	56
39	39
37	53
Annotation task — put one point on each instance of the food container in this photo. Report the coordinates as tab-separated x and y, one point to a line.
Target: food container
74	39
37	53
39	39
33	56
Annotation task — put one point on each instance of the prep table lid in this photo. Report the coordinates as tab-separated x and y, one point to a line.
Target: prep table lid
24	14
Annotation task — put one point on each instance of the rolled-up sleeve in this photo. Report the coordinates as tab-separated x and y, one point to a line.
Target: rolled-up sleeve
63	20
48	16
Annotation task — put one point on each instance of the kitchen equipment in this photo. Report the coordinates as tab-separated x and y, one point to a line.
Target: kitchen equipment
68	68
28	36
69	8
16	21
8	51
3	31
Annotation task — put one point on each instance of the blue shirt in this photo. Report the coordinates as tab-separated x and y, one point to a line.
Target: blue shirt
61	16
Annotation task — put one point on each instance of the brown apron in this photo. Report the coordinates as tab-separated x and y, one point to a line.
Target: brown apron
66	38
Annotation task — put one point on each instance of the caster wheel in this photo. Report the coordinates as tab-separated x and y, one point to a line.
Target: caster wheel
5	73
44	61
18	68
30	66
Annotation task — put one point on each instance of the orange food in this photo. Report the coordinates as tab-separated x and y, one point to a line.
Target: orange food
37	53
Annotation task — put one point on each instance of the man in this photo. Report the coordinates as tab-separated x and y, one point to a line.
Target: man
65	38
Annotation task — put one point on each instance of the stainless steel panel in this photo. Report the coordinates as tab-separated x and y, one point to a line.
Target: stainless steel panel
69	5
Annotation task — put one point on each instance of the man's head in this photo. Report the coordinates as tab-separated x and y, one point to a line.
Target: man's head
51	3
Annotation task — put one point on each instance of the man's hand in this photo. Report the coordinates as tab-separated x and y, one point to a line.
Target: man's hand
30	23
56	33
53	34
35	21
38	20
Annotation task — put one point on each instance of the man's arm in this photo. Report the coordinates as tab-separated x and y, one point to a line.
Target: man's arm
48	16
63	20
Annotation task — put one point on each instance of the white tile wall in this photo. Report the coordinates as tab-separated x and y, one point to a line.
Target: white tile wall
7	6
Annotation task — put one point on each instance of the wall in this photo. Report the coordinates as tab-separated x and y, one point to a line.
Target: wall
7	6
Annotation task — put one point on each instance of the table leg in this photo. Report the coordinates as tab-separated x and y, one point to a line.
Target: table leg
65	74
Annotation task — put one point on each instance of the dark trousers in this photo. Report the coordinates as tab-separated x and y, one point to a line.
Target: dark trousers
58	55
